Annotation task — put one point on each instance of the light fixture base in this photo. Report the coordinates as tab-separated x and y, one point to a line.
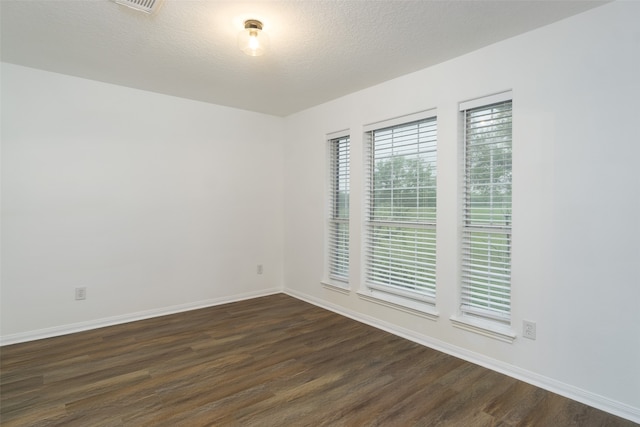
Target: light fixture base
252	24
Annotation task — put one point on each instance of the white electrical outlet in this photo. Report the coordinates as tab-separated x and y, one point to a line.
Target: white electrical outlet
259	269
81	293
529	329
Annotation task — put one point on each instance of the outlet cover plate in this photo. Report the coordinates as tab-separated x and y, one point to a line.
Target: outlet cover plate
529	329
81	293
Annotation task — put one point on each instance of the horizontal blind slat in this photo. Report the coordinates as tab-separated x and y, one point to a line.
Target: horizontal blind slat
401	203
486	237
338	226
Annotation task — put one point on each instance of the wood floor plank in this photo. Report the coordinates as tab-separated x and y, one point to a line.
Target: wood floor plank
513	406
271	361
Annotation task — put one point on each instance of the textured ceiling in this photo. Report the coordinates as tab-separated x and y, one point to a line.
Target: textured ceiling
320	50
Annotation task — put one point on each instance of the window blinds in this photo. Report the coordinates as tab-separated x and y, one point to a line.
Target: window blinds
401	209
338	229
486	237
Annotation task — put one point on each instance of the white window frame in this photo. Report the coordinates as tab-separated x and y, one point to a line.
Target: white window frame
389	292
337	265
486	308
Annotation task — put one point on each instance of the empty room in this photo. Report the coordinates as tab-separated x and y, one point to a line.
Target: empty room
306	213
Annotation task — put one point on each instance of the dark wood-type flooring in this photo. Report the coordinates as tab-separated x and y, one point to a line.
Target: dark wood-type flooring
271	361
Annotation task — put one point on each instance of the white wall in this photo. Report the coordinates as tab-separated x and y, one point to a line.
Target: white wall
154	203
158	203
576	205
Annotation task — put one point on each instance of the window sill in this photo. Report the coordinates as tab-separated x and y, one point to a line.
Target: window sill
342	288
407	305
488	329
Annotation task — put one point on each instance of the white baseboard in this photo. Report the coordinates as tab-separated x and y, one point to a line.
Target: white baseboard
605	404
126	318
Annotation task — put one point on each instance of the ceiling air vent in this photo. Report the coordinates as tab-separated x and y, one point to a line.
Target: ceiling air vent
146	6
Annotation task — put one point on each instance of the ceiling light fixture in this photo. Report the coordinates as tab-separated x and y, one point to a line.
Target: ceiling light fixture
252	40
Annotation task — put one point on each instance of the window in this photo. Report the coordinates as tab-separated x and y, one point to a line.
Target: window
486	232
338	226
401	208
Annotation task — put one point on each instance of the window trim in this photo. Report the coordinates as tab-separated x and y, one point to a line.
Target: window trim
408	305
486	100
484	327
